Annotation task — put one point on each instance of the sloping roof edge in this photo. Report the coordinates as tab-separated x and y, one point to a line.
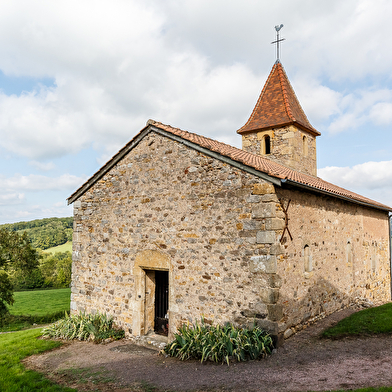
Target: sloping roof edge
151	127
271	112
310	188
280	125
252	163
107	166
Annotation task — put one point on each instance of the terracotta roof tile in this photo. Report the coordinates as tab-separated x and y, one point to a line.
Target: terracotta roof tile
254	161
277	105
266	166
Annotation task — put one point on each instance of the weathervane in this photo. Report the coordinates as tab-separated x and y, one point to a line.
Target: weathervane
277	28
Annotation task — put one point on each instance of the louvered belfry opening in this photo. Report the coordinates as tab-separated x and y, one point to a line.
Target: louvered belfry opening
161	324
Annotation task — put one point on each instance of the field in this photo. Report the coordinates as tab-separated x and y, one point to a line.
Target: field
67	247
41	302
37	307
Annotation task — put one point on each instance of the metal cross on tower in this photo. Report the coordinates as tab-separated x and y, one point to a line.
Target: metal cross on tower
277	28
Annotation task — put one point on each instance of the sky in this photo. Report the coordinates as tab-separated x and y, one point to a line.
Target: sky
78	79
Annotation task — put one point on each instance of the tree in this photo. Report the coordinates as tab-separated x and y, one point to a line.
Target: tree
16	253
56	269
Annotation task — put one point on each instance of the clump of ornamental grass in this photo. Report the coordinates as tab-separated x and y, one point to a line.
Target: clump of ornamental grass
219	343
94	327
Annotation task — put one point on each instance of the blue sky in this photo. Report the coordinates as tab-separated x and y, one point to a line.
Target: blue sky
78	79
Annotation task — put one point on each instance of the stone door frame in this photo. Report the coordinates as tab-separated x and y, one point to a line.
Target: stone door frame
148	260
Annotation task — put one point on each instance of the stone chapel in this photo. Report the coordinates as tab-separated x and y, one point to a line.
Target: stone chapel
177	226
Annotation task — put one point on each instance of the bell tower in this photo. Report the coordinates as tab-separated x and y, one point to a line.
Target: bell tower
278	128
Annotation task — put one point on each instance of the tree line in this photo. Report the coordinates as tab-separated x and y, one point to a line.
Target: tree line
44	233
52	271
24	264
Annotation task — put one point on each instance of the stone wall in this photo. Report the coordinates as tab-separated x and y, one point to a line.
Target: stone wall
287	147
168	207
347	256
217	230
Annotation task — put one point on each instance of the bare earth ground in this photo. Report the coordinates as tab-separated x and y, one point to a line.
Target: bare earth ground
305	363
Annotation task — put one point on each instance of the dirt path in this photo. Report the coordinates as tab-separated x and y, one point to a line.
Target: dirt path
304	363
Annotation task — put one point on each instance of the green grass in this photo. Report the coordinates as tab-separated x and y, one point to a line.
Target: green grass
370	321
37	307
41	302
67	247
13	375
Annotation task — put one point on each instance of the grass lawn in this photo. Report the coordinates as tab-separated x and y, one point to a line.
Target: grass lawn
13	375
61	248
37	307
41	302
365	322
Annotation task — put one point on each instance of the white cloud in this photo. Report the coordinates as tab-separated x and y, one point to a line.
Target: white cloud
62	120
29	212
362	106
192	65
198	65
381	113
43	166
371	179
345	122
35	196
11	198
368	175
40	183
319	102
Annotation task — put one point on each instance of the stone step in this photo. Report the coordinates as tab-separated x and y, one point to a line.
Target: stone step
154	341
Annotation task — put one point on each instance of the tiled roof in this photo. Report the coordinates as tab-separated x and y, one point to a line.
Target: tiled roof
266	166
257	162
277	105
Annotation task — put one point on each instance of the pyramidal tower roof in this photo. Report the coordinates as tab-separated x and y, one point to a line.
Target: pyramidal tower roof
277	105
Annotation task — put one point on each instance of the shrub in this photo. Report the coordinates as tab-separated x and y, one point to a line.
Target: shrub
95	327
219	344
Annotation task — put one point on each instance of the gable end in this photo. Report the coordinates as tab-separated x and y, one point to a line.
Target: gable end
150	128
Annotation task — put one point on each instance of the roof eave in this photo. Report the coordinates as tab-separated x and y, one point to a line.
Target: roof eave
335	195
312	131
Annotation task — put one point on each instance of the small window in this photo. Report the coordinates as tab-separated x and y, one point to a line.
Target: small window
349	252
267	145
374	257
305	146
307	259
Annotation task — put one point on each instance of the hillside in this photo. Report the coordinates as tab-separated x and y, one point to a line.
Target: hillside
67	247
44	233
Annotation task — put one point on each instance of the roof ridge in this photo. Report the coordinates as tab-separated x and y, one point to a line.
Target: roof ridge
260	97
284	91
274	169
257	162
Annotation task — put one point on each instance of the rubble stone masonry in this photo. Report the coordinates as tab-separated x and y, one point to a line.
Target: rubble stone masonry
217	229
339	251
290	146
